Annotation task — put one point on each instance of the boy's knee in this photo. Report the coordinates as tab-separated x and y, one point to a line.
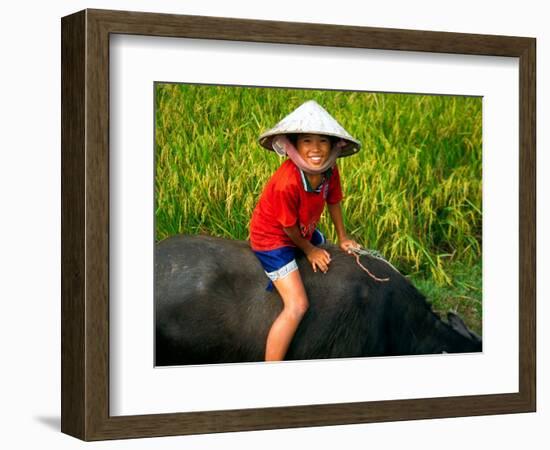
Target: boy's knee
303	307
298	308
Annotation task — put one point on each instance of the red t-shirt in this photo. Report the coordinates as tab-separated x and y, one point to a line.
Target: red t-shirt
286	202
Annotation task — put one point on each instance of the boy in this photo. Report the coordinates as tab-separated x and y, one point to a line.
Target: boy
290	207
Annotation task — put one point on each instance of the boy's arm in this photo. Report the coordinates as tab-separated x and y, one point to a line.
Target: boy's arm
335	211
318	257
294	234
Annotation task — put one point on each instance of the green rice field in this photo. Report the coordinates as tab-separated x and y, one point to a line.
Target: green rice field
413	192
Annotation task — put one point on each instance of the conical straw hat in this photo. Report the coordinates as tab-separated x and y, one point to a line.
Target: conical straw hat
311	117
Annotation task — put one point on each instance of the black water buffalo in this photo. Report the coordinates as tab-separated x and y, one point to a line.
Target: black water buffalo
211	306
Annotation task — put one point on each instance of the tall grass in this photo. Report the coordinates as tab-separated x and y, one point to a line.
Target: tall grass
413	192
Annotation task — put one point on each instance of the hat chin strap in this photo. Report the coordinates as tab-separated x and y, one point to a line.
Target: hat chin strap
283	146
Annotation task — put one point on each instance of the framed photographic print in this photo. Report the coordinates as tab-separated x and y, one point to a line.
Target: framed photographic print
169	143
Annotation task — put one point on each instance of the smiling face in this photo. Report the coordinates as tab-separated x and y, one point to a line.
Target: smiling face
313	148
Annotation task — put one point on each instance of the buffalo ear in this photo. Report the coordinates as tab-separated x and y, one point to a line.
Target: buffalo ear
460	327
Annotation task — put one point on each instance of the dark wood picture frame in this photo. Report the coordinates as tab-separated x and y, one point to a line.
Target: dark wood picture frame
85	224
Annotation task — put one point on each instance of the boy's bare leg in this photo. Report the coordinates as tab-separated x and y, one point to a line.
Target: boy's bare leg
295	304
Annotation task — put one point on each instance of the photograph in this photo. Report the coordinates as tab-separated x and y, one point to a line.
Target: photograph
305	224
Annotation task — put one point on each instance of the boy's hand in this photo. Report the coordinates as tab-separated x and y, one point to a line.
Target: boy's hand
319	259
348	244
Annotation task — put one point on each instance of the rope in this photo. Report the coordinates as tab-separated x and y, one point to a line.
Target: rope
358	251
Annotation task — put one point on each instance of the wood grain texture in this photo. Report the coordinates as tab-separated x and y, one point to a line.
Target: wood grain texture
85	224
527	224
72	224
151	24
97	225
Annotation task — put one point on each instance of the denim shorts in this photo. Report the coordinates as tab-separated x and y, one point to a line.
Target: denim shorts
278	263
